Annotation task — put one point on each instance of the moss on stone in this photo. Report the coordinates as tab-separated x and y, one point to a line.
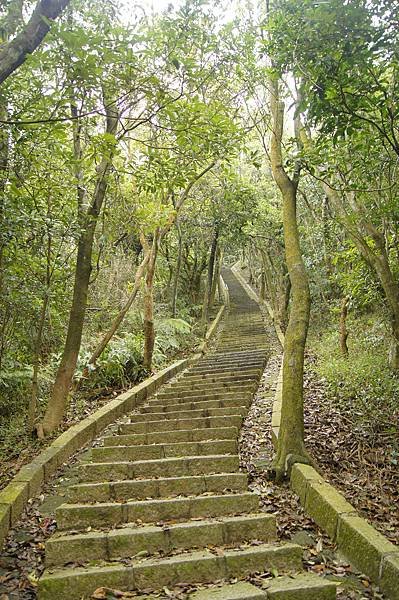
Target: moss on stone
362	544
389	581
324	504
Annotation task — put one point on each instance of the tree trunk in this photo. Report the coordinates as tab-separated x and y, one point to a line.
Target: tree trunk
14	53
209	279
262	293
122	313
216	275
149	331
58	401
32	407
291	447
177	270
343	331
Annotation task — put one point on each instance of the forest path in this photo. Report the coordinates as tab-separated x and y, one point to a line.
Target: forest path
162	504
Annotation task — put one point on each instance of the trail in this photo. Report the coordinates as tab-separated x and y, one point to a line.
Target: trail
162	505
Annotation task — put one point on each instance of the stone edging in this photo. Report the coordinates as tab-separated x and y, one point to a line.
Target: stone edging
29	479
365	547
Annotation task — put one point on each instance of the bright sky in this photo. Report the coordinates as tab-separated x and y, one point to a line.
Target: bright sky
131	8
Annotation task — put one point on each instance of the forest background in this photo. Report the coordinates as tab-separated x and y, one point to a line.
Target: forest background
139	152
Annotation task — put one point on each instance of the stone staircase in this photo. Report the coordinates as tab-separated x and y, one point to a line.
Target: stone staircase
163	501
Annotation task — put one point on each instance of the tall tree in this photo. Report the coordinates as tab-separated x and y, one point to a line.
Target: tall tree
291	438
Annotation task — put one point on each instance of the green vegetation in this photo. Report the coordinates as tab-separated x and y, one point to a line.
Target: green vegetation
138	153
361	384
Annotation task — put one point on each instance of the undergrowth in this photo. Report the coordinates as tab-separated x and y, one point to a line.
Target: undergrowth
119	367
362	383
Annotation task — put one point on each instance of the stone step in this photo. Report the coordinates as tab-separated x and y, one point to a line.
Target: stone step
255	363
295	587
188	377
127	542
173	424
164	467
226	369
157	573
142	489
301	587
208	393
189	414
205	387
231	399
183	435
110	514
154	451
234	591
187	404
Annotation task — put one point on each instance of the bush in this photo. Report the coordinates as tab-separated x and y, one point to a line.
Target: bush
121	362
15	383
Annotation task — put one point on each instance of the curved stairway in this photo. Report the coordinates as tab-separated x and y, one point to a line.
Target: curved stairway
163	501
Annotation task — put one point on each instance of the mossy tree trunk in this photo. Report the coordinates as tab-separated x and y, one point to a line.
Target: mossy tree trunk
177	269
209	279
88	220
291	438
343	330
149	330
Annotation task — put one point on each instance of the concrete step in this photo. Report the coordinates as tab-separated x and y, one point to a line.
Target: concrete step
187	404
165	467
204	384
209	393
190	414
127	542
301	587
110	514
184	435
235	591
230	399
170	424
143	489
295	587
154	451
226	370
190	379
156	573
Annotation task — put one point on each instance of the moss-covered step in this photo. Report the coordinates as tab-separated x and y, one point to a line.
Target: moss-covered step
194	567
184	435
203	385
304	586
131	541
183	413
229	363
108	514
164	467
228	387
199	396
140	489
154	451
188	379
255	371
182	423
177	404
234	591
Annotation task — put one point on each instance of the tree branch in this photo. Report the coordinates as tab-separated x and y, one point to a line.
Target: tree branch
14	53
